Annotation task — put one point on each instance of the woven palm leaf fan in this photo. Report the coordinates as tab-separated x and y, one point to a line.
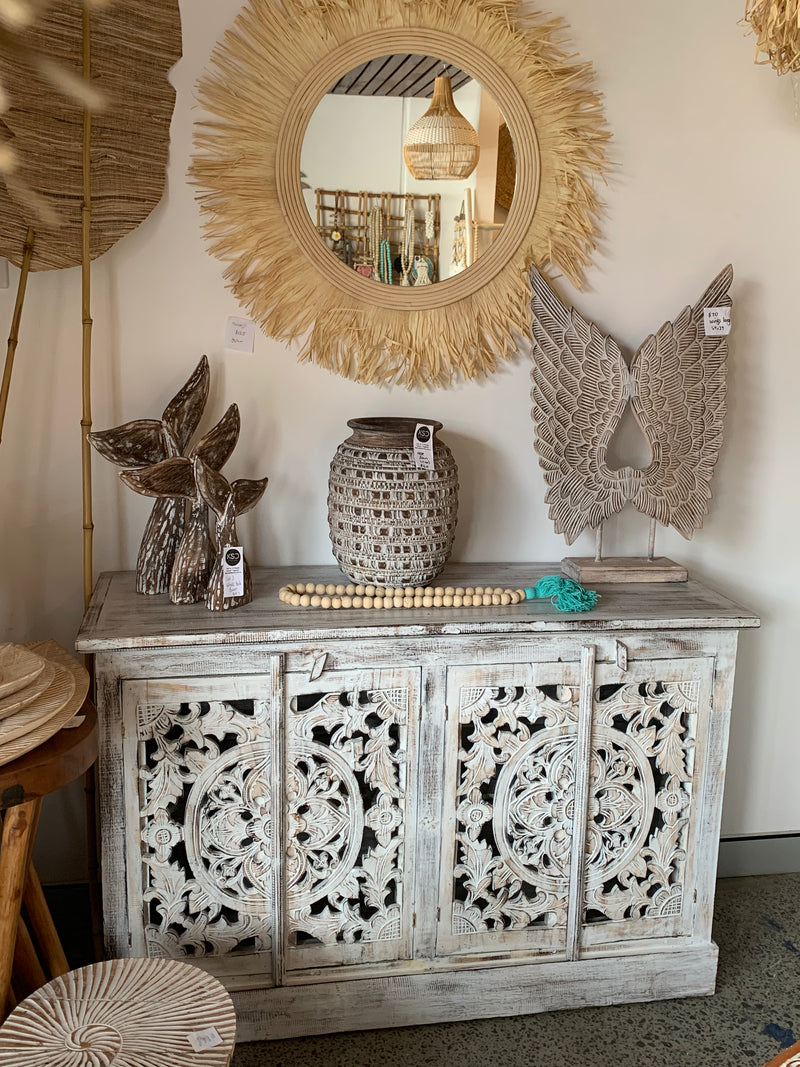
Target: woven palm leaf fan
81	181
134	44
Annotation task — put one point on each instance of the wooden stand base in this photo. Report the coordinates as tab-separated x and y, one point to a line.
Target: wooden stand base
622	569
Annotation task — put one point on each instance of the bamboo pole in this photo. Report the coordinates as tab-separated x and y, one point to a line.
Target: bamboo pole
13	337
90	780
469	233
86	301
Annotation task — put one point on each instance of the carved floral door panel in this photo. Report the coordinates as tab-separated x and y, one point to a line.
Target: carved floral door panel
649	731
200	785
350	766
518	774
510	782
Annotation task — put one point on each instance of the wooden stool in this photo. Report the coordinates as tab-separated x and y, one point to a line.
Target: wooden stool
23	784
125	1013
790	1057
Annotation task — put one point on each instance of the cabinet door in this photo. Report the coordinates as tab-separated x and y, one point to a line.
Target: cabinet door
649	735
350	754
199	759
509	808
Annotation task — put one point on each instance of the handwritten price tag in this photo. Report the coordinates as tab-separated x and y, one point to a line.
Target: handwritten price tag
202	1040
717	321
233	572
423	447
240	334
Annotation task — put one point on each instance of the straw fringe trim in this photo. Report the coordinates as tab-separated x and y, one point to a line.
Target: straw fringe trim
247	93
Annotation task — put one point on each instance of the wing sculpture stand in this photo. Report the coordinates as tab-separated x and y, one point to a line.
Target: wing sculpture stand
581	386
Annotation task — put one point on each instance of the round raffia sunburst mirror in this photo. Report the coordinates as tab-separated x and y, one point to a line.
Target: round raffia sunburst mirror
269	73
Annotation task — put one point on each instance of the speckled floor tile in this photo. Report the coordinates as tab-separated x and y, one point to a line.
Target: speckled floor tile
754	1014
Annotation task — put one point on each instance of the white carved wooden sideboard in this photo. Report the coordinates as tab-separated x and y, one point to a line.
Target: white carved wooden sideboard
362	819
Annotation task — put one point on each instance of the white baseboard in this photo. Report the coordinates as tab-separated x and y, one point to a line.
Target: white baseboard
770	854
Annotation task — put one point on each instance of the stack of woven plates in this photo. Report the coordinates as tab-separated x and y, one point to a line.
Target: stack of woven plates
42	687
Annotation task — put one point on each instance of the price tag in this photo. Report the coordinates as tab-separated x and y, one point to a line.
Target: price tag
717	321
423	447
201	1040
240	334
233	572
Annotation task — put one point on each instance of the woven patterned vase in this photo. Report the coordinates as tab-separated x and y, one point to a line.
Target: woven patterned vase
390	522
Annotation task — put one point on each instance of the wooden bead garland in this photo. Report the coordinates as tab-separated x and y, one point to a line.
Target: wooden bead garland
311	595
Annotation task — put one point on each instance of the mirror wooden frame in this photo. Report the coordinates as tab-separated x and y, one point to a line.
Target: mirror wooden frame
268	74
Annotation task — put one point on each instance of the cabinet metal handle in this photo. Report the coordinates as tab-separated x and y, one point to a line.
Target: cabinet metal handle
622	656
318	666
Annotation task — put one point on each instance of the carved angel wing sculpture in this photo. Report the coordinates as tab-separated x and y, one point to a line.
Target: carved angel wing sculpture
580	387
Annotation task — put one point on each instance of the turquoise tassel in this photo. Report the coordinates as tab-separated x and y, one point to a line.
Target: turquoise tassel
565	594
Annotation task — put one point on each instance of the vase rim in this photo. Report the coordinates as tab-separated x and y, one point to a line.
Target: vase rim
391	423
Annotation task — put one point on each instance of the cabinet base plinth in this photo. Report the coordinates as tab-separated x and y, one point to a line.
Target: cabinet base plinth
483	993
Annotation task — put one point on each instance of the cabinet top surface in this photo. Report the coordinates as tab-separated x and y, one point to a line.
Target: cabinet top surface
119	617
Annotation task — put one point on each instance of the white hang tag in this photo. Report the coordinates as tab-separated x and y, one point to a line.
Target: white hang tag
423	447
240	334
717	321
201	1040
233	572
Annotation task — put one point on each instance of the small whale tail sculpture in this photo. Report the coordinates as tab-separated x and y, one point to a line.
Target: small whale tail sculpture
228	500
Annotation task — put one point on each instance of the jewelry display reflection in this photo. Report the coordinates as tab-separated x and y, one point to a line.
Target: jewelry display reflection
358	145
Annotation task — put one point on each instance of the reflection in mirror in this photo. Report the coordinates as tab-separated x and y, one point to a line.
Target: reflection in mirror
369	210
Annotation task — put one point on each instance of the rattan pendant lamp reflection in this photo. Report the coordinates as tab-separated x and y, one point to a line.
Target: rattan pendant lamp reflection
442	145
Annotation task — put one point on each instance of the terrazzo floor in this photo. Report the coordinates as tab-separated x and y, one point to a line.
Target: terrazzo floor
753	1016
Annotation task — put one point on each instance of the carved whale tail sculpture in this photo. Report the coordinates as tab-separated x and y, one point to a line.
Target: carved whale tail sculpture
581	385
174	479
228	500
146	443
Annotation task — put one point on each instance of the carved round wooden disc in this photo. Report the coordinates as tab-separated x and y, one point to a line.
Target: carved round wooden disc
18	668
23	697
49	704
123	1013
44	730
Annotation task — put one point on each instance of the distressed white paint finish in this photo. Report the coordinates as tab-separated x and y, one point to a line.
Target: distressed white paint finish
420	998
351	798
117	619
367	825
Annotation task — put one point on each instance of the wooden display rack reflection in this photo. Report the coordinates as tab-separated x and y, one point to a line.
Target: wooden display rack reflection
354	210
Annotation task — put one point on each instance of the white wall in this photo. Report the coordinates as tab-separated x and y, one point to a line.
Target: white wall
708	152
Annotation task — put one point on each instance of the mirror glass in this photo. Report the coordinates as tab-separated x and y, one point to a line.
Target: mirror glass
369	208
